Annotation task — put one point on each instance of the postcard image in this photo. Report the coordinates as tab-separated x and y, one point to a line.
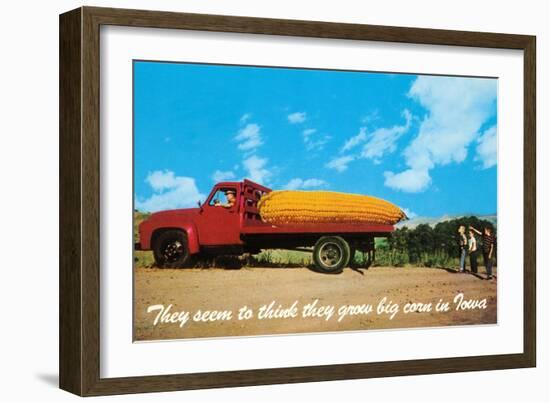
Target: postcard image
271	200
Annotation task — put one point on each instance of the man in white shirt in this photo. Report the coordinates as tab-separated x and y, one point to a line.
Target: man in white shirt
472	250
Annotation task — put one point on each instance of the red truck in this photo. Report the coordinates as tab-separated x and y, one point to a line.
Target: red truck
176	237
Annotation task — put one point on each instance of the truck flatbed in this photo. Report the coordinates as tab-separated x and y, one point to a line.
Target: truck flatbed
321	228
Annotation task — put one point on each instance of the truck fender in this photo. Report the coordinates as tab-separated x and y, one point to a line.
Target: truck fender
192	238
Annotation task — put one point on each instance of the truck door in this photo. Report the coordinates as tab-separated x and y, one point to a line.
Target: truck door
219	223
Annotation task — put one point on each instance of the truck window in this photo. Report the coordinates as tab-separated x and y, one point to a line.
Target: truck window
224	197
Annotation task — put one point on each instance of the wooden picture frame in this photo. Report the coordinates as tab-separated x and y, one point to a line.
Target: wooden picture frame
79	280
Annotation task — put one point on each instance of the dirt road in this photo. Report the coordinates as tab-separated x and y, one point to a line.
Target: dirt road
184	292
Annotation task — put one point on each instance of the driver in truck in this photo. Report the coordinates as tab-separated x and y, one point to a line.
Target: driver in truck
230	195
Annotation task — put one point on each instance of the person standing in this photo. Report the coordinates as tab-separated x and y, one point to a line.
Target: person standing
472	250
463	247
488	240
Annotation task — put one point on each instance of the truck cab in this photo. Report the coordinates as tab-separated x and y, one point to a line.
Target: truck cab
215	226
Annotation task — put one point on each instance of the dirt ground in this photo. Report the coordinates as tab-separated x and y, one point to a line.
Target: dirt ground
191	290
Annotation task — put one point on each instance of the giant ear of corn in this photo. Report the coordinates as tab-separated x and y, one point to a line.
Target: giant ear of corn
302	207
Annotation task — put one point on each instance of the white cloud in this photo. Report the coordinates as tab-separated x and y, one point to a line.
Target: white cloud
355	140
170	191
317	145
298	183
222	176
297	117
245	117
340	164
249	137
409	213
410	180
379	142
256	169
487	148
457	108
312	141
162	180
373	116
384	140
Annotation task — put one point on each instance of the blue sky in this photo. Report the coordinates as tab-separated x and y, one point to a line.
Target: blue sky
425	143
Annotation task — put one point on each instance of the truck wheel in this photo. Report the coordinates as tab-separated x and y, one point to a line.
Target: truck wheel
331	254
171	250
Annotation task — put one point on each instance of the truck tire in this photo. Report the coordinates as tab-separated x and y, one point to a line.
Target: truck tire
331	254
171	250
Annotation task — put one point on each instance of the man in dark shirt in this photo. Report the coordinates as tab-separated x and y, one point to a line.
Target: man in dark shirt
488	240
